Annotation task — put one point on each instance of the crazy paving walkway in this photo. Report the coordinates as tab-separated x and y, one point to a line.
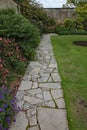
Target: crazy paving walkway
40	95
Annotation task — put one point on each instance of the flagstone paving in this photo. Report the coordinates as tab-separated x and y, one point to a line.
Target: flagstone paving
40	96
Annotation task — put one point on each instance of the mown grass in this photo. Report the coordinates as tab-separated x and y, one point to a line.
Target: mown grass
72	65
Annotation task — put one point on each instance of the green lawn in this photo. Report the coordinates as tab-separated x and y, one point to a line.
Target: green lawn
72	64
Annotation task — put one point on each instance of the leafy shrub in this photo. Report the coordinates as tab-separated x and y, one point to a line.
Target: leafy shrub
81	11
39	25
16	26
49	27
7	108
70	27
59	27
11	60
69	24
27	50
79	24
10	54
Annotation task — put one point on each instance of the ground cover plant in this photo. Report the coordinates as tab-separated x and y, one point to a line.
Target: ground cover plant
8	108
72	64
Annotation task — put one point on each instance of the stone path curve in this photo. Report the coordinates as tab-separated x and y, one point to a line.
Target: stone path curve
40	95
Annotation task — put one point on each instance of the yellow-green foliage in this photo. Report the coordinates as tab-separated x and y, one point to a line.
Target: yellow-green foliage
82	14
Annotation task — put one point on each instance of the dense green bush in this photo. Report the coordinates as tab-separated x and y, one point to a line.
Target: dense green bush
81	12
49	27
69	24
59	27
11	60
70	27
27	50
16	26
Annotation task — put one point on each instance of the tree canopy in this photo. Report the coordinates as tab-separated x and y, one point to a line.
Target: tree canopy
74	3
77	2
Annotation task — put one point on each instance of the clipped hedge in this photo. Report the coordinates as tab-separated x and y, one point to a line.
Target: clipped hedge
74	32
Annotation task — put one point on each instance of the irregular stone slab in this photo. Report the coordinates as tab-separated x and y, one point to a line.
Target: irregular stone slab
47	61
42	80
34	128
35	76
56	77
50	80
53	60
57	93
31	112
47	57
39	96
20	95
44	75
49	104
35	85
55	70
60	103
21	122
52	119
35	91
27	76
25	85
26	105
34	64
35	71
47	96
51	54
44	66
32	100
33	120
53	66
43	71
50	85
20	104
49	70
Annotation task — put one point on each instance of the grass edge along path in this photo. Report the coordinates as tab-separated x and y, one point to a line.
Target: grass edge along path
72	64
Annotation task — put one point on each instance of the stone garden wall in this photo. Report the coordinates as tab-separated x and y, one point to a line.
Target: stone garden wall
8	4
59	14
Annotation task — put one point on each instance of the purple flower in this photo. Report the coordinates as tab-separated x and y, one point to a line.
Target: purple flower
7	108
14	120
1	109
8	120
5	105
1	97
0	126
